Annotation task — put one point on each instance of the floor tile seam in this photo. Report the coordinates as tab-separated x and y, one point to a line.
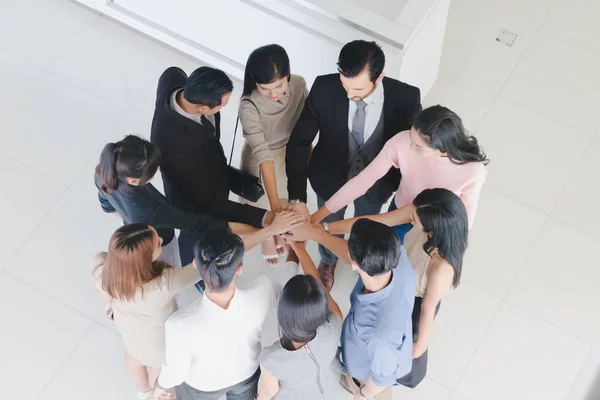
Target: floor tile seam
33	230
21	163
13	276
563	191
554	325
62	365
87	91
570	39
513	69
476	349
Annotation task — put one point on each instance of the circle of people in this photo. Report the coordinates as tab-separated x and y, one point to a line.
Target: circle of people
375	141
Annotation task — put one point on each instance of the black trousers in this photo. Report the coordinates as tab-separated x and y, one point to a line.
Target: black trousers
419	365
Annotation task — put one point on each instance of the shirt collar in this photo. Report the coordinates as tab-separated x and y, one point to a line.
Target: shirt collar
375	97
194	117
368	298
211	307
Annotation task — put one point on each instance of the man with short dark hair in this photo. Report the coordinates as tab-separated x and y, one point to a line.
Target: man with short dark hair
355	112
377	332
186	128
212	345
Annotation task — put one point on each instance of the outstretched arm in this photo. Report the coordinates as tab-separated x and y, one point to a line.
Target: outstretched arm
308	266
402	215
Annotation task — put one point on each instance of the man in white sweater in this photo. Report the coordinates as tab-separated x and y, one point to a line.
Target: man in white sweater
212	345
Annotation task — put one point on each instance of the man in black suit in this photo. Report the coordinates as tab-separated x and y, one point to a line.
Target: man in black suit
186	128
355	113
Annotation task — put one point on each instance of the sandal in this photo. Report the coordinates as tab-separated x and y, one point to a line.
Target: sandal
282	247
269	251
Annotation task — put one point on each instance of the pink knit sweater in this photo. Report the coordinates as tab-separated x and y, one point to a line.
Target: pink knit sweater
419	172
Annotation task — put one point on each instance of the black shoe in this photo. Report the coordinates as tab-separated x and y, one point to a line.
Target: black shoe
200	286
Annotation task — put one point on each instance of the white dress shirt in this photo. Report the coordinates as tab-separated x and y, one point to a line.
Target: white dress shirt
194	117
211	348
373	111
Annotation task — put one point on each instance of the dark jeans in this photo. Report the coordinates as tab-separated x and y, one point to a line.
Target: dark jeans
401	230
368	204
245	390
419	365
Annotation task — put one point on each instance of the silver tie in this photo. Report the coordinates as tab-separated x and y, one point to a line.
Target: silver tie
358	122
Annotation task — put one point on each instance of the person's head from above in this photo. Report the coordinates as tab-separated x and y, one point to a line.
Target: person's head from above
132	161
374	248
206	91
268	71
443	216
360	65
439	132
301	311
131	260
218	256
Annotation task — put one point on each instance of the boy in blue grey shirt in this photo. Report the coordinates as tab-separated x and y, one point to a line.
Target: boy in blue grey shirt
377	332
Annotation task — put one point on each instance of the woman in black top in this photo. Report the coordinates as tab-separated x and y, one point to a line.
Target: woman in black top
123	179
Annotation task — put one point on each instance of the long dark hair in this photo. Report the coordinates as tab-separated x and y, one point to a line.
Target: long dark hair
443	130
301	311
444	218
265	65
132	157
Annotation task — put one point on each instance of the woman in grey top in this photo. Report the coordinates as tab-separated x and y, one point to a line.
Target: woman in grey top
304	363
271	103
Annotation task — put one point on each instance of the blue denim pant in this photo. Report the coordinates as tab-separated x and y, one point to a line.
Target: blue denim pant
401	230
368	204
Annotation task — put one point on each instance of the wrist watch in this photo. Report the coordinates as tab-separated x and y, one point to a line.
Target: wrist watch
294	202
325	226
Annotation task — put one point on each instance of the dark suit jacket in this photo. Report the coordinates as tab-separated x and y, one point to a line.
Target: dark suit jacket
326	112
193	164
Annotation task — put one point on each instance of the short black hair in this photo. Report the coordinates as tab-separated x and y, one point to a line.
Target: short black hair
218	253
302	309
265	65
375	247
358	55
207	86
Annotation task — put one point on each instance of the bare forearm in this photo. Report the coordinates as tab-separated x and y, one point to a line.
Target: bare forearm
337	246
267	169
321	214
308	266
259	236
391	218
426	323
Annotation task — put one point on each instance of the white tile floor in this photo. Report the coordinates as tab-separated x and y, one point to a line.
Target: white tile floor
519	326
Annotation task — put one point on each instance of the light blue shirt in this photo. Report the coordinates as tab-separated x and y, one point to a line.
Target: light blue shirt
377	332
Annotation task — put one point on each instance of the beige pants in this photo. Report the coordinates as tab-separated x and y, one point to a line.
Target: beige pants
348	383
250	165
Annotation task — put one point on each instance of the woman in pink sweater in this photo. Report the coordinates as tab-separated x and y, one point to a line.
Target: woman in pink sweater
436	153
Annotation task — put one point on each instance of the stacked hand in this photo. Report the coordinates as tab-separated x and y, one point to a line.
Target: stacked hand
286	221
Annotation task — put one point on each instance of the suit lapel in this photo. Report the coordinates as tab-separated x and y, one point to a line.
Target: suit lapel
341	122
389	111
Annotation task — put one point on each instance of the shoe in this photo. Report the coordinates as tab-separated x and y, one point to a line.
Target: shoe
145	395
327	274
201	286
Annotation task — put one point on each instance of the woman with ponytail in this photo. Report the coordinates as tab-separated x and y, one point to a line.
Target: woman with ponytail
123	179
436	152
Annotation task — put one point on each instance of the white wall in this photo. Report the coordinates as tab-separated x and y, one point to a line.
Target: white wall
423	51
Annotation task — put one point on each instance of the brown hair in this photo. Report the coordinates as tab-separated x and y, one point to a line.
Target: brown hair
128	264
